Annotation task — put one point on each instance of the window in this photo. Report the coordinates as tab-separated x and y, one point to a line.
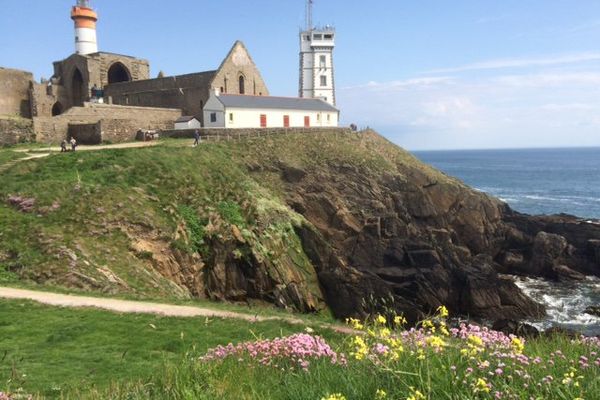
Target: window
317	36
322	61
328	116
242	85
323	80
263	120
213	117
307	37
306	121
221	90
329	37
318	117
230	117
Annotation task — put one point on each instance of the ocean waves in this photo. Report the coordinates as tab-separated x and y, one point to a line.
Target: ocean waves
565	302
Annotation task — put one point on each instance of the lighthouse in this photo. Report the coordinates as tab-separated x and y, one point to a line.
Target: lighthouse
85	19
316	60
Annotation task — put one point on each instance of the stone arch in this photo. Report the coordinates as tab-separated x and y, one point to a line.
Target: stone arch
57	109
78	92
242	84
118	73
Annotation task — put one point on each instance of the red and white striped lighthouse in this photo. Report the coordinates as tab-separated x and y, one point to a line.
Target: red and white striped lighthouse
85	19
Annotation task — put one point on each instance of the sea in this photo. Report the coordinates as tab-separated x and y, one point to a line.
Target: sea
538	181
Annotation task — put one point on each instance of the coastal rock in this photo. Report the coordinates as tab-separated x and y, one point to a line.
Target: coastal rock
546	251
593	310
513	327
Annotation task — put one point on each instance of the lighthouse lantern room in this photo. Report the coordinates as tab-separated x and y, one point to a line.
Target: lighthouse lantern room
85	19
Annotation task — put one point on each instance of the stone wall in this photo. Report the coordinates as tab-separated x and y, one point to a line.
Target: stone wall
15	130
86	133
14	92
117	123
245	133
186	92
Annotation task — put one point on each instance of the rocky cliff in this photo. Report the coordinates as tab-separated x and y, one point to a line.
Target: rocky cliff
301	221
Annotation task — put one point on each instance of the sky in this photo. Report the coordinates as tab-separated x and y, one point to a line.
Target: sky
427	74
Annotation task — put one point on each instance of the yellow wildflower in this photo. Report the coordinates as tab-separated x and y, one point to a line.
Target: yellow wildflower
518	345
361	348
442	312
384	332
415	395
481	386
380	319
354	323
435	341
380	394
335	396
399	320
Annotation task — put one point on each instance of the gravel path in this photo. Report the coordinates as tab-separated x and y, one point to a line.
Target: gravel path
143	307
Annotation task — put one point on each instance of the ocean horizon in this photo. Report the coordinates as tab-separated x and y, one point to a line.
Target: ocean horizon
532	181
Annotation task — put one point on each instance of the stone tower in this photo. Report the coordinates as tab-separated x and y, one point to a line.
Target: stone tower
85	19
316	60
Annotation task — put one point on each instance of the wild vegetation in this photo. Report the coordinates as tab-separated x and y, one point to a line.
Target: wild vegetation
89	354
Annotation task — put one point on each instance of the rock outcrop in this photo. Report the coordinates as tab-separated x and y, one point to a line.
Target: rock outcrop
301	221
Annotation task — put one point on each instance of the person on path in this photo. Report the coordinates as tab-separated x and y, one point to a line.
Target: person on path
196	137
63	146
73	144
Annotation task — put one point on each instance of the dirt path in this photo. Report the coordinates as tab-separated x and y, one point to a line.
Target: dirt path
142	307
128	145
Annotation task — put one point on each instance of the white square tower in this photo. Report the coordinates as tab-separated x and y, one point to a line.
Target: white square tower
316	61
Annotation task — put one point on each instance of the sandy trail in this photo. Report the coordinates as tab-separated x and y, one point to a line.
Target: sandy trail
143	307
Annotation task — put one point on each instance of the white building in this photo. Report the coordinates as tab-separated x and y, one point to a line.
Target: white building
187	122
316	64
316	60
242	111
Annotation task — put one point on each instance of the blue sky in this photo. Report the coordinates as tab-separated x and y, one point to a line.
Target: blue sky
427	74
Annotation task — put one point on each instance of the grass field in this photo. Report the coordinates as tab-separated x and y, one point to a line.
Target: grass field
53	351
90	354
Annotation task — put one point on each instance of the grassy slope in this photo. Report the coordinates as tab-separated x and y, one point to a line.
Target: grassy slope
108	197
55	350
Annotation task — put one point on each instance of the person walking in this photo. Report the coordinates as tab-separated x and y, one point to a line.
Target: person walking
63	146
73	144
196	137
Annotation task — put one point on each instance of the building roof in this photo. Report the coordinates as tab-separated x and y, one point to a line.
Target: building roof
186	118
271	102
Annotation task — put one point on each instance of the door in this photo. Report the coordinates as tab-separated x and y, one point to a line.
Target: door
286	121
307	121
263	120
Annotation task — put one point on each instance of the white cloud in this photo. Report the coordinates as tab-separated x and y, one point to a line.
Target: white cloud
557	108
522	62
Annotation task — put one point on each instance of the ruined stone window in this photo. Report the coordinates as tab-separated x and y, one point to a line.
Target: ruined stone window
242	85
118	73
323	80
222	91
213	117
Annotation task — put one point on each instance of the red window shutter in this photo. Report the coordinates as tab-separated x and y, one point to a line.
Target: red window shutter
307	121
263	120
286	121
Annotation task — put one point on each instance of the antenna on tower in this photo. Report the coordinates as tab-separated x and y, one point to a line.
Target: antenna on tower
309	15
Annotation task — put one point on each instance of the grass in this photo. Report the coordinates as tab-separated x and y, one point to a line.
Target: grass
426	364
55	351
173	197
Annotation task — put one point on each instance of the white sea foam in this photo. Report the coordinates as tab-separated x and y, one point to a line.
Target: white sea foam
565	302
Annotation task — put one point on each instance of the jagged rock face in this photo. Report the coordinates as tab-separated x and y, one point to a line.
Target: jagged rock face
427	241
